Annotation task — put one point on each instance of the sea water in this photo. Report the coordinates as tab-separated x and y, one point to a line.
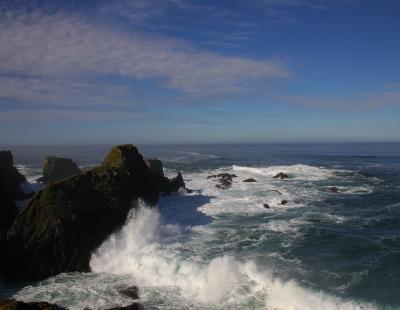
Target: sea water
222	249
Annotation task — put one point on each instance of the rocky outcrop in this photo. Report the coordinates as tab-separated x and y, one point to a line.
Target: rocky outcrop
56	169
281	176
65	222
155	165
10	190
224	179
12	304
250	180
132	292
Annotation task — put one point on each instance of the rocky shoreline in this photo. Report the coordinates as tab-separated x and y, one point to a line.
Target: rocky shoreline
62	224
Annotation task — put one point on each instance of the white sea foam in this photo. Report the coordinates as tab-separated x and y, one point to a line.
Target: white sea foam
222	282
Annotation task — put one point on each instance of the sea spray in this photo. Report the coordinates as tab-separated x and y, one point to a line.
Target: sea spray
138	250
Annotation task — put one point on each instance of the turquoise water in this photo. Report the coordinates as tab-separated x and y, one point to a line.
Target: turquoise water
221	249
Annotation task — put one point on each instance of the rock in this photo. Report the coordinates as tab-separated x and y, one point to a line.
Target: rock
227	176
333	189
12	304
283	202
10	190
65	222
189	191
174	184
56	169
132	292
265	205
155	165
133	306
10	178
250	180
281	176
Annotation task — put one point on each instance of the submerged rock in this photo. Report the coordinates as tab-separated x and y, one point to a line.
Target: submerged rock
155	165
226	176
65	222
56	169
250	180
283	202
132	291
333	189
281	176
12	304
266	206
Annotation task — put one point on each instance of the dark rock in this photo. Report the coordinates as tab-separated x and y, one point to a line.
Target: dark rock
12	304
174	184
65	222
283	202
132	292
10	190
250	180
155	165
333	189
56	169
189	191
281	176
133	306
226	176
265	205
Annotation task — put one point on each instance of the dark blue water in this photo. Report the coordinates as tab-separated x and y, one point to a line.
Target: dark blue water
343	245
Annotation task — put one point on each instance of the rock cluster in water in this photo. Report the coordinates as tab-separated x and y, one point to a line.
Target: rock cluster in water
66	221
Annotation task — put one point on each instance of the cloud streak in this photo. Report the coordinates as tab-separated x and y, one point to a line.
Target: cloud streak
37	47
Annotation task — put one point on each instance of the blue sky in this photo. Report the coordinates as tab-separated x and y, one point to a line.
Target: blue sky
176	71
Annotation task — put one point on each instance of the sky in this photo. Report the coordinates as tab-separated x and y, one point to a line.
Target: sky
186	71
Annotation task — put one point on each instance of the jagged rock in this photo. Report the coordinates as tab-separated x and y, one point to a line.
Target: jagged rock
226	176
250	180
155	165
333	189
266	206
283	202
10	190
281	176
12	304
65	222
132	291
56	169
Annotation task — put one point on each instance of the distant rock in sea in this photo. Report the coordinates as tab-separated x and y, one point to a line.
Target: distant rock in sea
281	176
65	222
57	168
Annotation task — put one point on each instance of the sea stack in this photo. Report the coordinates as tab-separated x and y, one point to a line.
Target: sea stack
65	222
57	168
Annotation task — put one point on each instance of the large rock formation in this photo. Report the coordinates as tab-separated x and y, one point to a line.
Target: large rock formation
155	165
10	190
68	220
56	169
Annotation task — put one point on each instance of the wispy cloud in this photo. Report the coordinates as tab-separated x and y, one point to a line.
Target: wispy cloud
37	46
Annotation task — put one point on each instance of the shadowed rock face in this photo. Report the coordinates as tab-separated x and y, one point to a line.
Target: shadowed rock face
56	169
10	190
155	165
68	220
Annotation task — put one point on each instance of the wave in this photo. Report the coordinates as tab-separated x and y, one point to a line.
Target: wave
222	282
298	171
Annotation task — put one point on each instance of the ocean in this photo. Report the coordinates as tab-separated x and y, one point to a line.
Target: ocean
222	249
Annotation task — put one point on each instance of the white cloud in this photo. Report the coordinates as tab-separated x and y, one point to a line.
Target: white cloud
58	46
